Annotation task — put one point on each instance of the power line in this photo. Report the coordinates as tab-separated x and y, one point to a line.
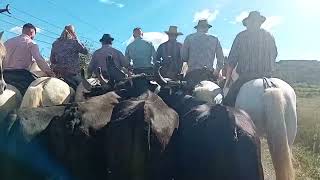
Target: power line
41	33
45	42
44	21
46	30
68	12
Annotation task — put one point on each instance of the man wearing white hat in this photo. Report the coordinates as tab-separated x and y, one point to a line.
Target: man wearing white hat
200	49
254	52
168	54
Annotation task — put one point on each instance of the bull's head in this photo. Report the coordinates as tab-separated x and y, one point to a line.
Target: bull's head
85	82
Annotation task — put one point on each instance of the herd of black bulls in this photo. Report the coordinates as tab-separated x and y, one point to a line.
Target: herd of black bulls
131	133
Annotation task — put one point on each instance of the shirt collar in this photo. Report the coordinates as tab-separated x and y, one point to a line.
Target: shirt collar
106	45
138	38
25	36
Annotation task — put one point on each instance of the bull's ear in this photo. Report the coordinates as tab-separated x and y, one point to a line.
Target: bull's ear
1	33
97	111
163	120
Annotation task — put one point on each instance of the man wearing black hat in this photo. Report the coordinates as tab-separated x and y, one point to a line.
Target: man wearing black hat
254	52
99	57
168	54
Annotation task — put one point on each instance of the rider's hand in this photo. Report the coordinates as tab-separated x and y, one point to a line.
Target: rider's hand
218	74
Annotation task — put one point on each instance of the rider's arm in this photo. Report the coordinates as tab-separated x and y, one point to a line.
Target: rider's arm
219	56
159	54
123	60
92	65
232	60
81	48
43	65
153	53
185	50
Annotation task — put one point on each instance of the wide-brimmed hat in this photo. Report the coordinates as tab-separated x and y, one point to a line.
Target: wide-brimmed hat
173	30
203	23
106	37
254	16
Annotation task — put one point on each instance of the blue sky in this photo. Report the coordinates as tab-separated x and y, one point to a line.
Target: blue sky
294	23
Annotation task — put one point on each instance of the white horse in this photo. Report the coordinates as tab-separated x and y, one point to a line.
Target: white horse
10	97
273	110
209	92
47	91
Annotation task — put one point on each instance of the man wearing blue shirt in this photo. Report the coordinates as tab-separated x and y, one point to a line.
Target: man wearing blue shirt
141	53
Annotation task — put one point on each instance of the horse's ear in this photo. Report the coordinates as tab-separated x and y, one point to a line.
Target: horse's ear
1	33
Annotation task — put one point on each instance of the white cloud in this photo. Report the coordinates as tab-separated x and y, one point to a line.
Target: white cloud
110	2
107	1
226	51
120	5
271	22
18	29
205	14
241	16
156	38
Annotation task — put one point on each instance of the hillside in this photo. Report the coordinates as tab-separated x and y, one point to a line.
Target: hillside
299	71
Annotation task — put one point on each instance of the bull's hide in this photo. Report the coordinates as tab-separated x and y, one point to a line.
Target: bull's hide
33	121
97	111
163	120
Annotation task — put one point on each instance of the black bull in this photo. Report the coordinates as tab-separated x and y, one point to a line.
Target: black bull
111	137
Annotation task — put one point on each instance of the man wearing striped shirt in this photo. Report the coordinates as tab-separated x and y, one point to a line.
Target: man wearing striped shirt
253	52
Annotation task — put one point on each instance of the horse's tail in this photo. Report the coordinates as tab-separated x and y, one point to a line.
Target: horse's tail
32	97
274	104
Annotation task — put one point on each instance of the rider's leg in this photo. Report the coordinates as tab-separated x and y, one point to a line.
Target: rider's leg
19	78
230	99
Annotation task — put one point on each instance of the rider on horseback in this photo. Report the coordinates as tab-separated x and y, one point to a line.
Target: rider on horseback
65	57
99	57
22	51
200	50
253	53
141	53
169	56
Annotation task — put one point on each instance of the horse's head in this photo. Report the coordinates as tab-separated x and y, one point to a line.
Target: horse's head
3	84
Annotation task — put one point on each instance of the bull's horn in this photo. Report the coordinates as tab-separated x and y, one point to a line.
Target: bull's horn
85	82
1	33
159	79
102	80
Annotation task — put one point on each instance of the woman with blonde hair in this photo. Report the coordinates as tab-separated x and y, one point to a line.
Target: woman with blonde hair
64	57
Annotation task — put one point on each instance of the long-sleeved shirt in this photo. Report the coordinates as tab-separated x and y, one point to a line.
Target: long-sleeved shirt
141	52
169	55
200	49
99	59
22	51
65	56
254	52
